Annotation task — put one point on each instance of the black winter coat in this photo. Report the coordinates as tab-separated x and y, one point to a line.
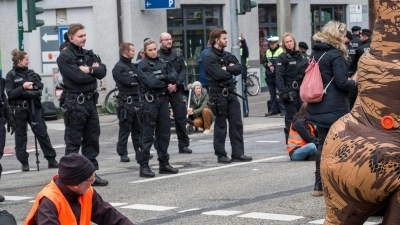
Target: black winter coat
123	74
334	104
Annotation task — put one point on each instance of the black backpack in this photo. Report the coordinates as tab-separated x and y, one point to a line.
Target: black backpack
49	111
7	218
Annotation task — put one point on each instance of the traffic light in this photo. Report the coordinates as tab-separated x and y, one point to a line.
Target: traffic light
246	5
32	12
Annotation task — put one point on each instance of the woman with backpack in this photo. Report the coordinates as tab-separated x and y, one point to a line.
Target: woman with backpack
330	43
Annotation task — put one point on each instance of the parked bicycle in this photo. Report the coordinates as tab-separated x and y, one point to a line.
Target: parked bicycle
252	83
111	101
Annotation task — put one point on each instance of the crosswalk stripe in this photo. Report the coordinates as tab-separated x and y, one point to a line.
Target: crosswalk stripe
189	210
115	204
270	216
16	198
222	212
148	207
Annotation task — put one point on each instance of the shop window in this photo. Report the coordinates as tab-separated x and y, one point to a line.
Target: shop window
322	14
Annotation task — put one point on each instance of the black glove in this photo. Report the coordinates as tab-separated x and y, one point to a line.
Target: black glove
32	94
286	97
11	126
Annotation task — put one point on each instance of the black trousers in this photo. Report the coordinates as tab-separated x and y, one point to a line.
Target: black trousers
22	117
292	108
2	140
179	109
231	103
158	124
272	84
82	129
128	126
322	133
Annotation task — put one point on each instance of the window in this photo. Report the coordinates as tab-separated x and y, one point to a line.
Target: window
190	28
321	14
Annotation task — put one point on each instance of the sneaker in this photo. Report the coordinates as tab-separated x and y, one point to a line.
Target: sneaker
98	181
207	131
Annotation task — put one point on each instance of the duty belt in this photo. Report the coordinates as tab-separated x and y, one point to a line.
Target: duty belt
150	96
80	98
223	91
23	104
128	98
295	84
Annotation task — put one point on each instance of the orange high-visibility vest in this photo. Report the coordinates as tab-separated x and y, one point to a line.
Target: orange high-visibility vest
295	140
65	214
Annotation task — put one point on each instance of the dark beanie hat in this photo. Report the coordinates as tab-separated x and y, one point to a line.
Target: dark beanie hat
74	169
303	45
355	28
366	32
349	35
146	39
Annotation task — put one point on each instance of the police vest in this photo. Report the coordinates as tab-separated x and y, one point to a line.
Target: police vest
294	140
247	59
271	55
65	214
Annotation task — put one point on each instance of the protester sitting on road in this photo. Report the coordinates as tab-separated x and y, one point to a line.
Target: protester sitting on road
302	141
202	115
70	199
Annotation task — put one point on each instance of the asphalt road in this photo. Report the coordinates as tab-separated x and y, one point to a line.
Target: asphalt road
269	190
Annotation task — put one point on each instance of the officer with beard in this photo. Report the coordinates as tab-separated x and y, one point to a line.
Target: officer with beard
219	67
174	57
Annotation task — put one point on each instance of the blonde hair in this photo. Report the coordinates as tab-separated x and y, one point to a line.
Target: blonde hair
336	31
288	34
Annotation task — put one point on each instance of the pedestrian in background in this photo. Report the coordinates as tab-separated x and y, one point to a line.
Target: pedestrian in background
203	80
220	66
356	37
155	74
302	143
24	88
290	70
199	109
81	69
303	47
70	199
334	103
244	60
175	90
351	65
274	50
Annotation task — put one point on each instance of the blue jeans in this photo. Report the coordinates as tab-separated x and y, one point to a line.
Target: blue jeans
303	152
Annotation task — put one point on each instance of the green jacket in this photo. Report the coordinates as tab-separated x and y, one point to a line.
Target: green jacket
202	103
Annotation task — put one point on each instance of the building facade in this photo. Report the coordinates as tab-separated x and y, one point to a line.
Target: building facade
109	22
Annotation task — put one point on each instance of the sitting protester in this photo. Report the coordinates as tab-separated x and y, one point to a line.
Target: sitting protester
302	141
198	109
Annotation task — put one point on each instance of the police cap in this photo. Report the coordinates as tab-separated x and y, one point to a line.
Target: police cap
366	32
355	28
304	45
273	39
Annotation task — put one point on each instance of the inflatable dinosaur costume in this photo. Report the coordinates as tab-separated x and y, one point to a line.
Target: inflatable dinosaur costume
360	165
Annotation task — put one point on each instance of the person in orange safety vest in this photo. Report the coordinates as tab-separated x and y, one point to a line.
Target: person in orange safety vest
302	141
69	198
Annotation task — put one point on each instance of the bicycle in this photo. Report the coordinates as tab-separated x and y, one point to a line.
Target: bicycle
111	101
252	84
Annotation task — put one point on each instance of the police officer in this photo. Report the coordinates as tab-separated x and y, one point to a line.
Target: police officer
169	54
290	70
244	60
80	69
365	38
271	55
24	88
128	100
356	41
154	74
351	60
219	67
5	117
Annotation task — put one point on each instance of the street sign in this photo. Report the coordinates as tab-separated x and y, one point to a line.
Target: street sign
61	32
158	4
49	43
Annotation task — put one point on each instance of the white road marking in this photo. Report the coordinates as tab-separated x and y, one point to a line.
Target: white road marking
268	141
115	204
16	198
222	213
148	207
189	210
17	171
270	216
206	170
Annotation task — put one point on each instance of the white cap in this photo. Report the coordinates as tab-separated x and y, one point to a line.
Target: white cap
273	39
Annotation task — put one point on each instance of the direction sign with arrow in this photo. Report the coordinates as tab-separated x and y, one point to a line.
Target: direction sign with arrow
47	38
159	4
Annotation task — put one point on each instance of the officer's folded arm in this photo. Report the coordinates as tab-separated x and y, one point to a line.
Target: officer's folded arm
99	71
69	69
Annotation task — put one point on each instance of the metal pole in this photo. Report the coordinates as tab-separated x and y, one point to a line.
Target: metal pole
284	17
235	46
20	26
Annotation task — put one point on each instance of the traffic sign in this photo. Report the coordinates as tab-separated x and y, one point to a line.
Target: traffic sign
49	43
158	4
61	32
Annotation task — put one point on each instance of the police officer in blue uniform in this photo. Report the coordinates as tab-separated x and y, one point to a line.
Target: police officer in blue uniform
174	57
219	67
24	88
154	75
80	69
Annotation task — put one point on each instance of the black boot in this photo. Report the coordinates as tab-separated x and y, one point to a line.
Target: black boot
286	131
52	163
2	198
25	167
145	171
318	183
167	169
98	181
